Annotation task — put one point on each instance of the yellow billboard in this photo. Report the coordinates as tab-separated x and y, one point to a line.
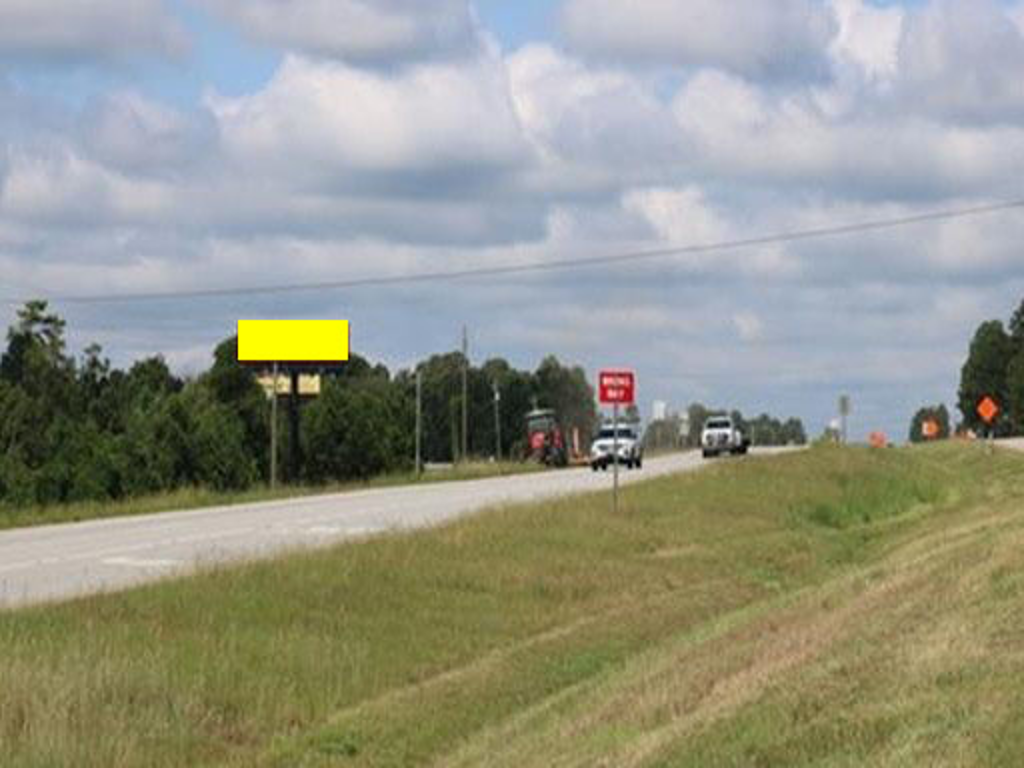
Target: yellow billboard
293	341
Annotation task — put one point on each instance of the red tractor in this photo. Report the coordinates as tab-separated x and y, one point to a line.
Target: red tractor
544	439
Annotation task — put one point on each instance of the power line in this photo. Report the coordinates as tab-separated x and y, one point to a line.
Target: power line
544	266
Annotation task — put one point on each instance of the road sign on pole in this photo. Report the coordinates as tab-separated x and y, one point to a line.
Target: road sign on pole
616	387
988	410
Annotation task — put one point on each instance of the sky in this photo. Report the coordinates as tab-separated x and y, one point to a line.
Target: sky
151	146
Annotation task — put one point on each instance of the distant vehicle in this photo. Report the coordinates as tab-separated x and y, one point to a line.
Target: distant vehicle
545	440
631	450
720	435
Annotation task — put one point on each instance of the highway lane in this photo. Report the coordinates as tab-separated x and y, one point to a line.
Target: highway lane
63	561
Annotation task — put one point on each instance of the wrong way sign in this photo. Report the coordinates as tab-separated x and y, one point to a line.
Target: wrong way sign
616	387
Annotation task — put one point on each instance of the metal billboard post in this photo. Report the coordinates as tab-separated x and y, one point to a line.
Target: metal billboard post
273	435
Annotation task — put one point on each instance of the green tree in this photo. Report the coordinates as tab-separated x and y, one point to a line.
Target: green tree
568	392
357	430
939	414
984	374
234	385
1015	393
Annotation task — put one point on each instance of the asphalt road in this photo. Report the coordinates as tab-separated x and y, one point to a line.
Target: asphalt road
64	561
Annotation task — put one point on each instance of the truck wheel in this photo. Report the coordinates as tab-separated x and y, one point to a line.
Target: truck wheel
640	463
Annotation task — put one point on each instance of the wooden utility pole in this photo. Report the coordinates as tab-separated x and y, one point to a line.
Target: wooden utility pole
497	422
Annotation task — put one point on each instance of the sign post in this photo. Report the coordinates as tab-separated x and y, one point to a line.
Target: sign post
616	387
988	410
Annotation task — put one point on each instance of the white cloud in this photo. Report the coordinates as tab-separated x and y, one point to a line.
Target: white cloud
868	37
596	129
359	31
783	38
962	60
741	132
328	118
679	216
749	327
90	29
134	134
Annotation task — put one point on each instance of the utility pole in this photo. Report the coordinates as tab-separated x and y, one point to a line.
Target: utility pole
465	388
497	421
844	414
419	422
273	434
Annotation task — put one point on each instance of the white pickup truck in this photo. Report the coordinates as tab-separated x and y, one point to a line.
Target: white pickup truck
631	448
720	435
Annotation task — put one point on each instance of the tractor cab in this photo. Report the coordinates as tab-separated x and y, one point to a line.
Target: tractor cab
546	444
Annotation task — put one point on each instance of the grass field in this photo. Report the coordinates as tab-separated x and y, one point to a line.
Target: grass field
837	607
197	498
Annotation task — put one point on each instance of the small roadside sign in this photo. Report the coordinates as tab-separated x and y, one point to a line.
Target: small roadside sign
988	410
616	387
878	440
930	429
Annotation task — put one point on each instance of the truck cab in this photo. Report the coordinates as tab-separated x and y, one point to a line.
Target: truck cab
721	435
630	447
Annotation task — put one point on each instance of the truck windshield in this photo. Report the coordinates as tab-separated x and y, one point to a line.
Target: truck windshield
608	433
719	424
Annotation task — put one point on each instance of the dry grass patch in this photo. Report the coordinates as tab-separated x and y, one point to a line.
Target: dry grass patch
712	611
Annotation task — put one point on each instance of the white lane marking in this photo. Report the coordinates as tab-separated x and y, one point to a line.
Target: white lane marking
134	562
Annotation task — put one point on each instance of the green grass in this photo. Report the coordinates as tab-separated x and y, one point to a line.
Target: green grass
834	607
197	497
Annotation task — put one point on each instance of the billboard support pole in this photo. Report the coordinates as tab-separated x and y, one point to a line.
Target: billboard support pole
273	434
294	458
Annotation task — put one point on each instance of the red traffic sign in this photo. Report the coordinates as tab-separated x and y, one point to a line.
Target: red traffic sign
616	387
988	409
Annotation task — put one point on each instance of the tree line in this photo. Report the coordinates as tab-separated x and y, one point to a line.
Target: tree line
80	429
765	430
994	368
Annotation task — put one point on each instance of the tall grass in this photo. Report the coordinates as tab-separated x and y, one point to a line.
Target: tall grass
484	635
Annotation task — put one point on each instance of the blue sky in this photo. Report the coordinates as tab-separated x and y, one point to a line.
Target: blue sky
153	146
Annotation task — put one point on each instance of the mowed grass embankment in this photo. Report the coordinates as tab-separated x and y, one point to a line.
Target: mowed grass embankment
200	498
832	607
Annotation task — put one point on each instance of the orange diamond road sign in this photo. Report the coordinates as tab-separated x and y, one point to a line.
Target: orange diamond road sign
988	409
878	440
930	429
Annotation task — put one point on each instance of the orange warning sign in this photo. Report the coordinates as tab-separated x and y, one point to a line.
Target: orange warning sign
930	429
878	440
988	409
